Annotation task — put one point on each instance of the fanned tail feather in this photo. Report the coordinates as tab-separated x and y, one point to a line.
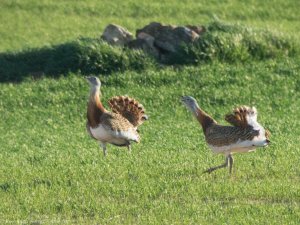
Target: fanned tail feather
129	108
268	134
242	116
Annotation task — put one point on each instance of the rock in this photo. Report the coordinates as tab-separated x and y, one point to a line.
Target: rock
143	35
154	29
197	29
144	42
168	38
116	35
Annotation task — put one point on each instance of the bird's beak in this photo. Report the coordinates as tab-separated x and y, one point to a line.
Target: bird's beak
182	98
145	117
89	80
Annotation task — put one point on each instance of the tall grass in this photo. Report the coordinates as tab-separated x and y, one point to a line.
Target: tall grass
235	43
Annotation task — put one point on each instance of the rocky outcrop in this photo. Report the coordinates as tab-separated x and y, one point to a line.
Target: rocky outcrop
156	39
168	37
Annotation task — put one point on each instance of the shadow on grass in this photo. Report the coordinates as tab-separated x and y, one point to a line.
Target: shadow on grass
87	56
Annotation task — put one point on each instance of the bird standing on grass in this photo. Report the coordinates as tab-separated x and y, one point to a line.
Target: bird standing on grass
245	135
118	127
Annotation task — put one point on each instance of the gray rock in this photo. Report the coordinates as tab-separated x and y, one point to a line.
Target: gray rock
116	35
168	38
197	29
144	42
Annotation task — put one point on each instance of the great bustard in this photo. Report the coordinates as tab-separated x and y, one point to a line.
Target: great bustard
245	135
118	127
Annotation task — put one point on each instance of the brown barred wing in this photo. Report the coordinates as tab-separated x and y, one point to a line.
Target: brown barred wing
227	135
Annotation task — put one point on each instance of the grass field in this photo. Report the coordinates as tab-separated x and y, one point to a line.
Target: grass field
31	23
52	172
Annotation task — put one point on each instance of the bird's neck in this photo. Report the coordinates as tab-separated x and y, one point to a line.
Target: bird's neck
204	119
95	108
95	99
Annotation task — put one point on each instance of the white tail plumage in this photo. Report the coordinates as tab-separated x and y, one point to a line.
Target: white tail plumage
242	116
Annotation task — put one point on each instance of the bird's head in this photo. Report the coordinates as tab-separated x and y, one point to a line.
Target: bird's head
190	103
94	82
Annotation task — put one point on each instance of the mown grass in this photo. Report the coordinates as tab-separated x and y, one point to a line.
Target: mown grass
52	172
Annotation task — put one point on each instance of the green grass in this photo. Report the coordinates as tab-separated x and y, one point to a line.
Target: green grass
220	42
52	172
31	23
85	56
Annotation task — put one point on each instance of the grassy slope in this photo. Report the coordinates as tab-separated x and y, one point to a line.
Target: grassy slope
52	172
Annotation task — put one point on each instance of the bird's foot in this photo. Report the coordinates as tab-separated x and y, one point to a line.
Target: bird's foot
209	170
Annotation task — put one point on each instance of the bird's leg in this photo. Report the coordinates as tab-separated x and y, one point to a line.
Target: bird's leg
103	145
218	167
129	148
230	163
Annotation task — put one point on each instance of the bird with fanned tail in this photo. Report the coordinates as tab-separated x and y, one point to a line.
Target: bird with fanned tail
118	127
244	135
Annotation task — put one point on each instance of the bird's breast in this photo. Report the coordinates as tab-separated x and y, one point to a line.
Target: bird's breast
105	134
100	133
239	146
